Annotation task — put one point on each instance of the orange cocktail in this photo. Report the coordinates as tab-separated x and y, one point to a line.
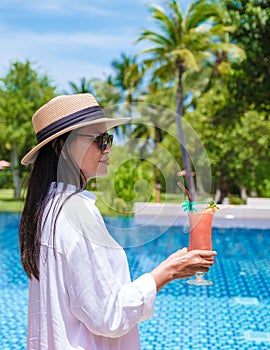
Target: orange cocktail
200	238
201	230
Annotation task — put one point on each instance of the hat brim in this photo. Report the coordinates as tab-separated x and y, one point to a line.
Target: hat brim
109	123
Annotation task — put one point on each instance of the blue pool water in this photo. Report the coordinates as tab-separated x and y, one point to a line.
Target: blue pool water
233	313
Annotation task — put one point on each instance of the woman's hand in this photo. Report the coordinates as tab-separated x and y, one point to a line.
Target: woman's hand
182	264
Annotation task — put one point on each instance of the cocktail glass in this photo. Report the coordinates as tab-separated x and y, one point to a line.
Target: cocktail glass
200	238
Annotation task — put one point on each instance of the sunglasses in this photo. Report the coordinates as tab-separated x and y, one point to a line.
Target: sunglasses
103	140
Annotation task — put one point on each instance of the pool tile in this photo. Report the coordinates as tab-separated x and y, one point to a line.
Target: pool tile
232	314
245	301
257	336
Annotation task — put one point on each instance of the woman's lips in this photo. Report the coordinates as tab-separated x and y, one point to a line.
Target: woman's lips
105	162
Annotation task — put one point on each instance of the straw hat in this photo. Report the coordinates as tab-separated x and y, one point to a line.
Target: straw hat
65	113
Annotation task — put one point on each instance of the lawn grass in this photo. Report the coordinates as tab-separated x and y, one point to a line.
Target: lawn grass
7	203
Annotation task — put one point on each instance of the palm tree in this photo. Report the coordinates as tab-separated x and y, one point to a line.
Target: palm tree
106	93
184	43
129	76
84	86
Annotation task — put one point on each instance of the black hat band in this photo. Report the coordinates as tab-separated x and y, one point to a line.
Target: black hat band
84	115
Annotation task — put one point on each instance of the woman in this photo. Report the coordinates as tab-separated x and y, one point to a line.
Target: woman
80	294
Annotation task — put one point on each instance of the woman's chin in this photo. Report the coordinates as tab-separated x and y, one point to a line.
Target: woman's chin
98	174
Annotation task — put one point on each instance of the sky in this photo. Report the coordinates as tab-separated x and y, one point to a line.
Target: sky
68	40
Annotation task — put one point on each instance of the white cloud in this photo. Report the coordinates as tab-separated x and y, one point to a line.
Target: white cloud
61	71
64	57
56	7
184	4
33	30
68	40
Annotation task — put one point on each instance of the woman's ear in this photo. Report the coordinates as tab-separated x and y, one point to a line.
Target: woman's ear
57	145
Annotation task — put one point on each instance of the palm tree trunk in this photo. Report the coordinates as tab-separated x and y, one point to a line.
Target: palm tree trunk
17	181
243	190
222	187
157	141
179	115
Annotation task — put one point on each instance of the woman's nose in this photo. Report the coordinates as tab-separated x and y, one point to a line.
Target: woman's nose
108	148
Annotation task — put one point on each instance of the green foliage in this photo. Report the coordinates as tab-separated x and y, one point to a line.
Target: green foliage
129	180
249	82
232	109
236	200
104	91
22	91
237	150
264	188
128	76
185	44
212	204
262	177
8	204
194	60
5	179
84	86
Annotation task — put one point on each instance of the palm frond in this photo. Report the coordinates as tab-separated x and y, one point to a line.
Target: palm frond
175	6
186	56
155	37
203	11
232	49
220	29
165	72
169	25
158	51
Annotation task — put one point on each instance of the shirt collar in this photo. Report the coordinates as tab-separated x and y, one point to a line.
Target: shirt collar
89	195
60	187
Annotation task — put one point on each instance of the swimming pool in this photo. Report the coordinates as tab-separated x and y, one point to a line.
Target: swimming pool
233	313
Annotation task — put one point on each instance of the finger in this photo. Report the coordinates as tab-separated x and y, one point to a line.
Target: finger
182	251
208	262
206	253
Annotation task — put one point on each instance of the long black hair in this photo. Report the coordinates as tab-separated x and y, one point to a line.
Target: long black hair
50	166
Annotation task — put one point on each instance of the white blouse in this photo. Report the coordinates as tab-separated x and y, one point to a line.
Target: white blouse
84	298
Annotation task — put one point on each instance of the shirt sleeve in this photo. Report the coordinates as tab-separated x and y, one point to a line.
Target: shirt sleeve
99	288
